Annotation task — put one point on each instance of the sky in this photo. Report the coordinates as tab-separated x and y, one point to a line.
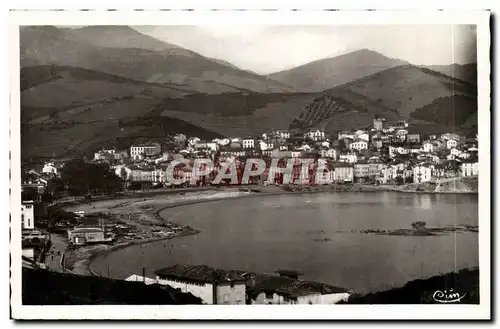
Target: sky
269	49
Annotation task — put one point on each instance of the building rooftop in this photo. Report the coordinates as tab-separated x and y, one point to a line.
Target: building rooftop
199	273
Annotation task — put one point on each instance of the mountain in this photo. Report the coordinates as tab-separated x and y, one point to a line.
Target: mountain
49	92
467	72
328	73
124	52
421	96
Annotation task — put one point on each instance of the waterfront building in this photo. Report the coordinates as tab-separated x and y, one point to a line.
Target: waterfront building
422	173
470	168
344	173
84	235
288	289
212	286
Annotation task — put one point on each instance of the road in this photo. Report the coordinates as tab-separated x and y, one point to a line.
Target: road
53	259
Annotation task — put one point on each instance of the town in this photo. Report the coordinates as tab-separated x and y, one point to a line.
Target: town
382	154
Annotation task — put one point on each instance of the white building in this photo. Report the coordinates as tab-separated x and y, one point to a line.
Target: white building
138	152
451	143
361	134
212	286
359	145
27	215
284	134
248	143
348	157
428	147
316	135
266	145
422	173
328	153
470	168
346	134
49	168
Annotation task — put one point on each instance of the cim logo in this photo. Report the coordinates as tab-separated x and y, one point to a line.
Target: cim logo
447	296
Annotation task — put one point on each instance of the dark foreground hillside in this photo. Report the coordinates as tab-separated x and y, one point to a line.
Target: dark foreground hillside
464	282
42	287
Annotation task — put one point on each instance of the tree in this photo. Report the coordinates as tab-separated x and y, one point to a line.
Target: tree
30	194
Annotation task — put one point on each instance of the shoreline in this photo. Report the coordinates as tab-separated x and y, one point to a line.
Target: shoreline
84	265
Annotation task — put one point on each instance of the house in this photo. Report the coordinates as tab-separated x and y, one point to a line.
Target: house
345	134
470	168
362	135
141	174
288	289
139	151
386	175
49	168
84	235
358	144
159	176
316	135
212	286
361	171
449	136
193	140
428	147
27	215
422	173
348	157
180	139
222	141
413	138
284	134
447	169
400	124
375	169
266	145
344	172
248	143
328	153
451	143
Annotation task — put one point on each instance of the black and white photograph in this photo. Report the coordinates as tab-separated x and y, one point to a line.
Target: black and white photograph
307	165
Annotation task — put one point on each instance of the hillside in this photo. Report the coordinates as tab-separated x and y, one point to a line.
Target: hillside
50	91
429	99
332	72
406	88
41	287
124	52
467	72
73	138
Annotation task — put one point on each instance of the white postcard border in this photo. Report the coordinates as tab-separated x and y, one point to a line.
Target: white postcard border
102	17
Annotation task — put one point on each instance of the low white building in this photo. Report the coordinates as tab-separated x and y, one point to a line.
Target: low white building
359	144
316	135
248	143
27	215
212	286
422	173
272	290
470	168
